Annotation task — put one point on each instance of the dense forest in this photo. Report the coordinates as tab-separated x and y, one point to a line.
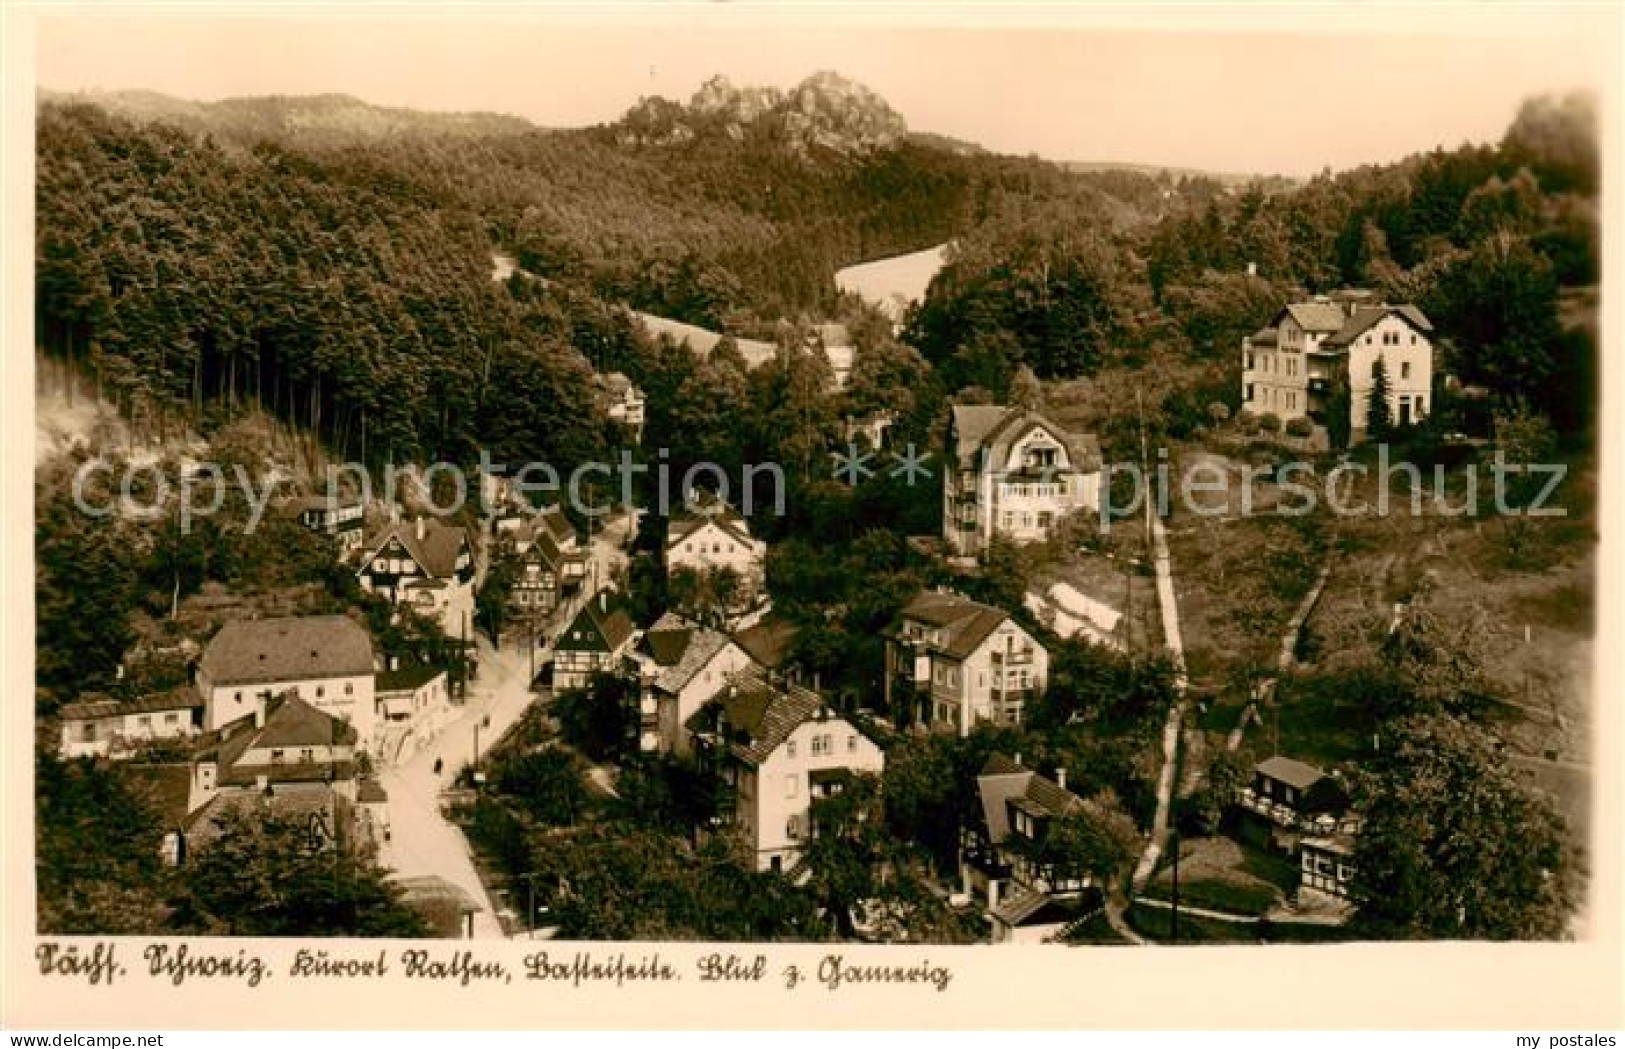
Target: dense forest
1483	238
193	257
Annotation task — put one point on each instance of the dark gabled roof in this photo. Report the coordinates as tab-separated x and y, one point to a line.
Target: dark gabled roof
295	723
963	622
769	641
90	709
1313	316
405	679
1003	781
303	803
100	705
550	521
604	623
436	552
991	429
543	549
287	648
757	715
668	639
1292	772
430	892
1366	317
300	504
166	789
181	697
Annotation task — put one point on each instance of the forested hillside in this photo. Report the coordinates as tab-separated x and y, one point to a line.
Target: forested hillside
330	262
1483	238
340	278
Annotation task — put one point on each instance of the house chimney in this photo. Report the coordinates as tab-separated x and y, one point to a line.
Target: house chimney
1060	776
421	526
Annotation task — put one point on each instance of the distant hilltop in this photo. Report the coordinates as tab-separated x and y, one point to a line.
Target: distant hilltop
277	116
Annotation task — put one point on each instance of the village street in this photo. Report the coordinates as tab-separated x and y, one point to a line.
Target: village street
422	841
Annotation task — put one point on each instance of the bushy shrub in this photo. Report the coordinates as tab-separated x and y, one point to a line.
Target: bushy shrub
1299	427
1269	422
1218	411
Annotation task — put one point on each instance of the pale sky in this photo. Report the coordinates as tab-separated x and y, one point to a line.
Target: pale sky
1255	93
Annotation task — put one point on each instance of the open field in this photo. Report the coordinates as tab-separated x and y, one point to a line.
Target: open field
893	283
703	340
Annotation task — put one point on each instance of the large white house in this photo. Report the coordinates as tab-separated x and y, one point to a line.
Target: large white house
710	534
326	661
1290	368
780	748
966	663
427	565
1014	473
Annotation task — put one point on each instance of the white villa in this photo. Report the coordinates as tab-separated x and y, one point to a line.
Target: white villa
1287	369
1014	473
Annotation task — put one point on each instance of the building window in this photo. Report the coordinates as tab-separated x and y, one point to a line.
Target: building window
172	719
321	691
276	756
790	749
307	755
817	745
790	786
1405	370
145	721
851	743
792	827
1248	396
349	688
238	698
89	733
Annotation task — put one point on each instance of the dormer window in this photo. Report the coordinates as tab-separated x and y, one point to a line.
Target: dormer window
1040	458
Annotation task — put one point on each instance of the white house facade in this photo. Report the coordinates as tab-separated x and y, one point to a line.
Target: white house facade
1290	368
1013	473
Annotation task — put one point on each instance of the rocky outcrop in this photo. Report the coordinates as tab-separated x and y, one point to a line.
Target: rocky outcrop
824	113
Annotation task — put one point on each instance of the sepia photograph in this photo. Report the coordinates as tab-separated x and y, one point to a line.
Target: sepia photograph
856	481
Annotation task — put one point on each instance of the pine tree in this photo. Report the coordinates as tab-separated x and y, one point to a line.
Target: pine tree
1379	420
